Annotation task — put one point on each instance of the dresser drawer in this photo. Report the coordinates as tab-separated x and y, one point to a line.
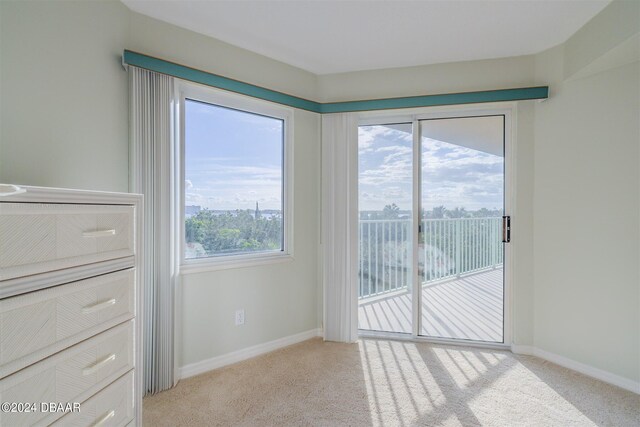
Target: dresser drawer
72	375
37	238
36	325
111	407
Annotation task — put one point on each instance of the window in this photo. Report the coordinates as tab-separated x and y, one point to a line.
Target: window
236	178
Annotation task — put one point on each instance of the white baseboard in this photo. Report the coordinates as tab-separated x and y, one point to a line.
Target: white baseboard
585	369
523	349
245	353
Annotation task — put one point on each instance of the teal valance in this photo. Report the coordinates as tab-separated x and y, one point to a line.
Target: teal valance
214	80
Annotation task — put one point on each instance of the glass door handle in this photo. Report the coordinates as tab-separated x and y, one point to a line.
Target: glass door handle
506	229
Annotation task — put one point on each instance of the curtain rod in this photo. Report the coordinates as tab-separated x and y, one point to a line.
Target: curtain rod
198	76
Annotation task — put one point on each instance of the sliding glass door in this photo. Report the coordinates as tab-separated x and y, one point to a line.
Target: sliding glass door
441	277
461	208
385	182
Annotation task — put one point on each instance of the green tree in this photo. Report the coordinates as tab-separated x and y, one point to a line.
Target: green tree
438	212
391	211
457	213
237	231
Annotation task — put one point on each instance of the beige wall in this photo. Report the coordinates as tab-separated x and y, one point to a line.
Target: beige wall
611	28
63	94
587	196
522	227
586	211
428	79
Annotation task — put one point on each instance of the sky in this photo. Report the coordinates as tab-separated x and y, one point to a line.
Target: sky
233	159
452	175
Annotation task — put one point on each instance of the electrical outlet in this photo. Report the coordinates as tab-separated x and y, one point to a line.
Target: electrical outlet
239	317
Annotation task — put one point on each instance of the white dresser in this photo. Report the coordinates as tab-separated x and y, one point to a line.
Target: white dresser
70	307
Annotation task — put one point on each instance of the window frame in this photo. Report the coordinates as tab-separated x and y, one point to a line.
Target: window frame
196	92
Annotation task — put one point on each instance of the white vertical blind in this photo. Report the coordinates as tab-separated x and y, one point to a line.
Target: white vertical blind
340	226
151	129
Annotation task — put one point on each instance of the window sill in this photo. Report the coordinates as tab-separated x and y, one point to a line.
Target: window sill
205	265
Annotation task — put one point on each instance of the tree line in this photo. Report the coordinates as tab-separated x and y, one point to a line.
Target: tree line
234	231
392	211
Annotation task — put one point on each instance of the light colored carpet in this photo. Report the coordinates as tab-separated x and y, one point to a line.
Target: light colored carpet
392	383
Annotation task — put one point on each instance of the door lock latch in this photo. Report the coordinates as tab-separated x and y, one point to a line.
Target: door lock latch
506	229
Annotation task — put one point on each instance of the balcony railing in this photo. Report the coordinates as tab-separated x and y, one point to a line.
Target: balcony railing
448	248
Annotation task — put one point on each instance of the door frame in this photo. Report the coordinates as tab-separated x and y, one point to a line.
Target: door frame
414	115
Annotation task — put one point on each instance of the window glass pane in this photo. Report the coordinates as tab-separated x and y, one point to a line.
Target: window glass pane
460	260
233	181
385	200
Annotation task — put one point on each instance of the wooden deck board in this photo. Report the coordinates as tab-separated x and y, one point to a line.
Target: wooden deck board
470	308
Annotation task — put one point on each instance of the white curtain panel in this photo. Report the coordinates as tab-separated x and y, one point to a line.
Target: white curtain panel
151	129
340	226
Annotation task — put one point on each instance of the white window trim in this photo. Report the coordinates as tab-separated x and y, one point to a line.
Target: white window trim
189	90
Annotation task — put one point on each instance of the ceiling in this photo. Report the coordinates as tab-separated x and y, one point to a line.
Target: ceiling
333	36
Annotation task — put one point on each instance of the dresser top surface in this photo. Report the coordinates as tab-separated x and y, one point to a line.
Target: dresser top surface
30	194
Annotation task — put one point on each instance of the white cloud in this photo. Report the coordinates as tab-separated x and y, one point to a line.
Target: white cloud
395	149
396	193
368	135
223	187
193	198
213	169
454	176
395	169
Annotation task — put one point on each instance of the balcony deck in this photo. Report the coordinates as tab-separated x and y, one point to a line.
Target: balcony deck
468	307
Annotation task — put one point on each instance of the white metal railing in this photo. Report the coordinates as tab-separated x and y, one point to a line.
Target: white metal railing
385	256
448	248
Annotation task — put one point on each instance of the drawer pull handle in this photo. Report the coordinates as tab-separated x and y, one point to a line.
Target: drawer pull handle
99	364
98	306
10	190
103	419
99	233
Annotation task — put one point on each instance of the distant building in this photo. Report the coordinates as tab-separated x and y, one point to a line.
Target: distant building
192	210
